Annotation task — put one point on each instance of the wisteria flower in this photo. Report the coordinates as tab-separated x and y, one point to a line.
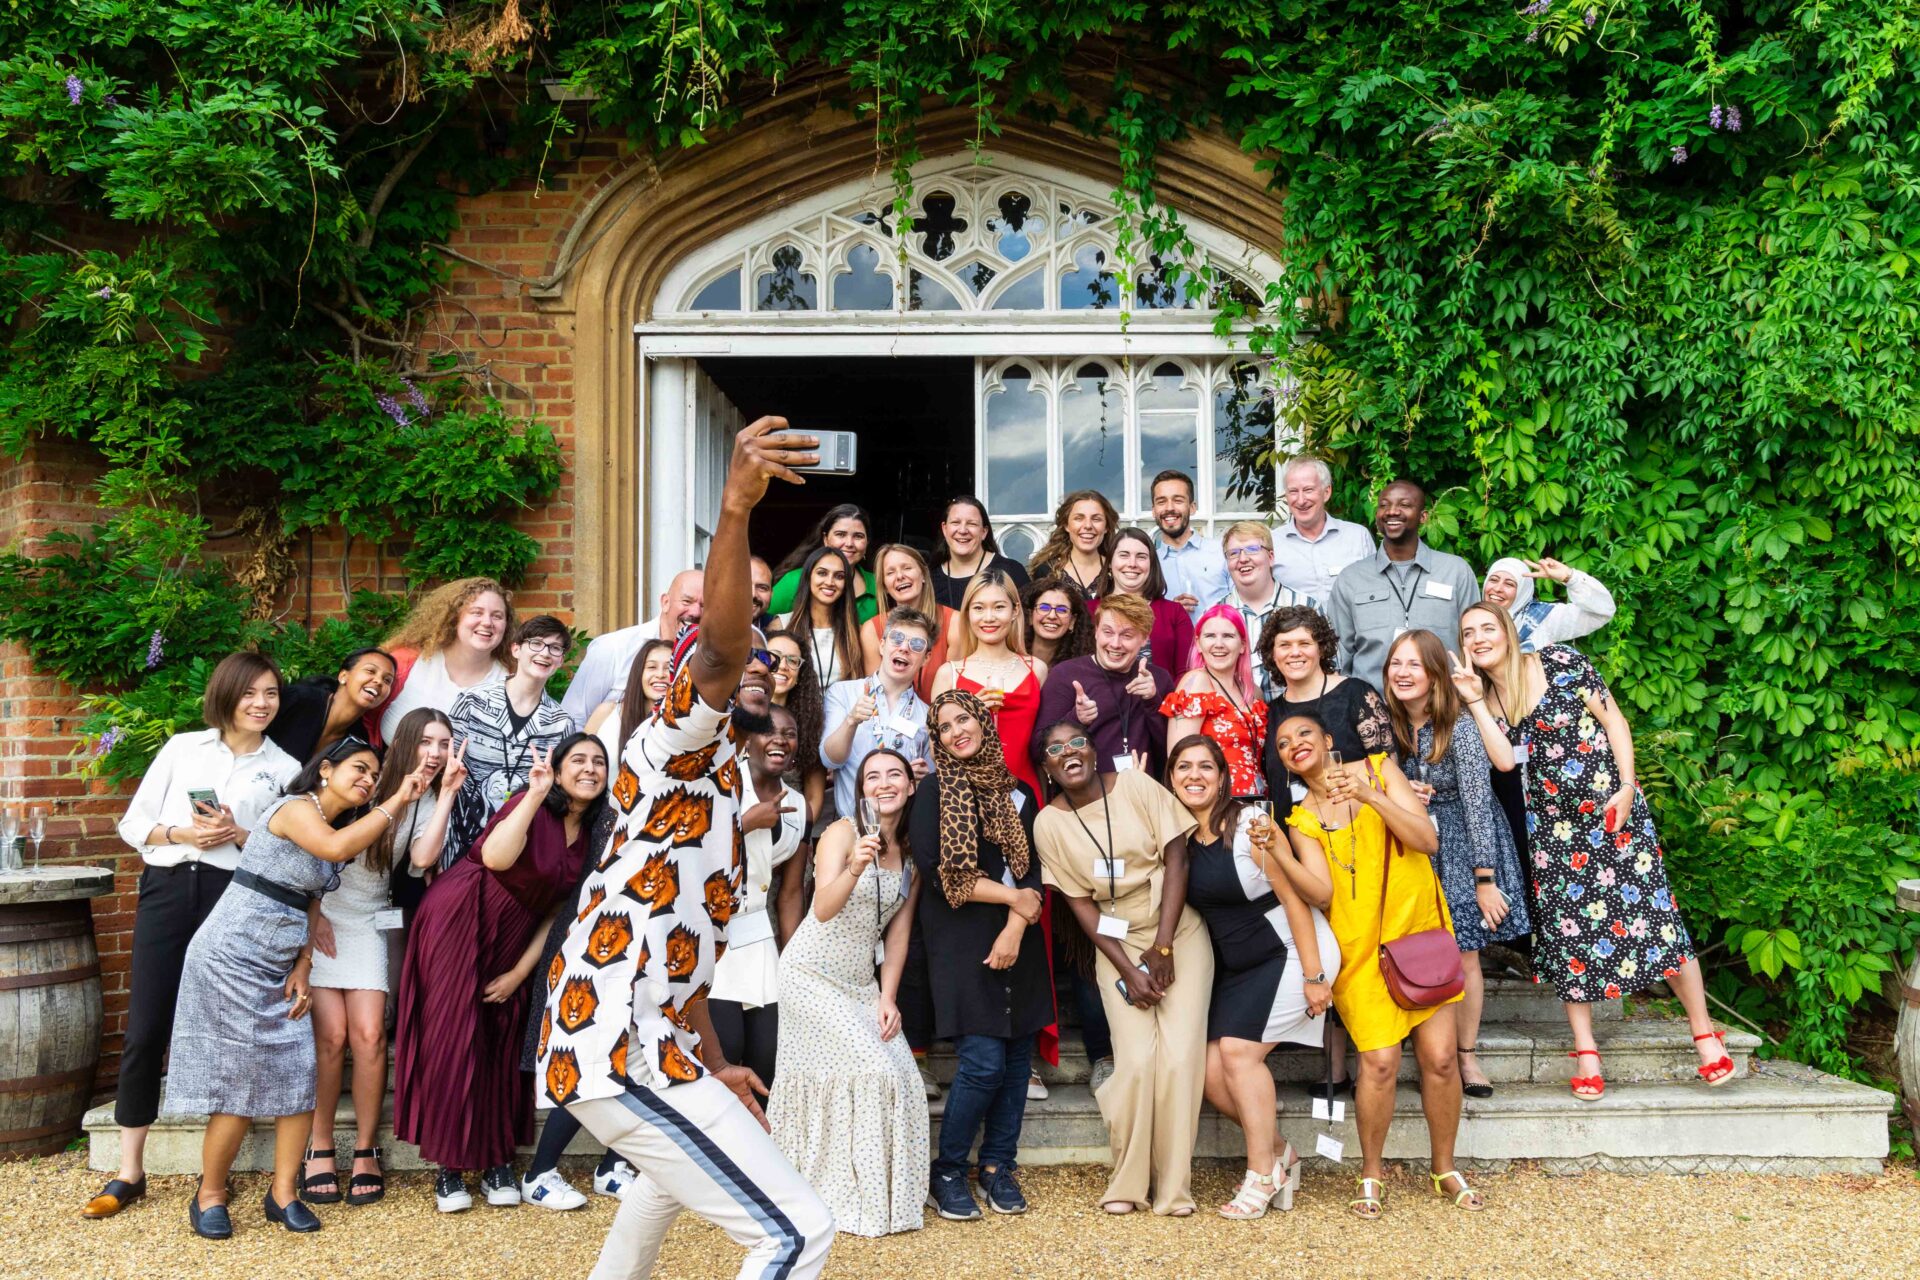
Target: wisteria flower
1715	116
105	292
1591	16
1537	8
1733	119
76	89
393	409
1533	36
416	398
108	741
1679	155
156	649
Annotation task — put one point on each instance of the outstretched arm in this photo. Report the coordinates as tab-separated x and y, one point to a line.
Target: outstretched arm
763	449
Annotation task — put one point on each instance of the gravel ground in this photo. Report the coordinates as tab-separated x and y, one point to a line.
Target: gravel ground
1589	1227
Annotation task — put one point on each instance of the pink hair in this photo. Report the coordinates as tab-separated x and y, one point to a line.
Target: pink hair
1242	673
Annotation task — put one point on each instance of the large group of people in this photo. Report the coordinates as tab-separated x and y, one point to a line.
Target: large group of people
1284	788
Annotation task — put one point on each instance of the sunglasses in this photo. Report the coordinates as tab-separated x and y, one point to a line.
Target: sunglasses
915	644
1076	743
769	659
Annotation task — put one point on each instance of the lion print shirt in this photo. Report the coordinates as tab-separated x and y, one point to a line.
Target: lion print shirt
652	914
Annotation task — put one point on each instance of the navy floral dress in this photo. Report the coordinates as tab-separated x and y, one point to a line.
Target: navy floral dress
1604	921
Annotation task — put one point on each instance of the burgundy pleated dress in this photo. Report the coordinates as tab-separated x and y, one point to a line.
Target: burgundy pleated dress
458	1092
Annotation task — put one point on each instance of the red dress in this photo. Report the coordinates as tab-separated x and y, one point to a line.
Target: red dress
1015	722
1240	734
458	1091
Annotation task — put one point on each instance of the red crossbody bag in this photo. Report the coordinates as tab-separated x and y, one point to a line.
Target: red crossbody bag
1423	969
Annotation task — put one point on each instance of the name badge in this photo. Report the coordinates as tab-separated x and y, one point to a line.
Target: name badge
1019	799
1440	590
879	953
1112	927
1122	763
1398	632
1521	753
902	726
753	926
389	918
1109	869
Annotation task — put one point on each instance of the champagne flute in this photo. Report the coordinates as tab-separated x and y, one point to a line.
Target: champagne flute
37	830
869	816
9	832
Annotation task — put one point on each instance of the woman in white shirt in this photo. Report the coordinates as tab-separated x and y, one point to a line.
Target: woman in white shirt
746	980
455	641
1588	607
200	798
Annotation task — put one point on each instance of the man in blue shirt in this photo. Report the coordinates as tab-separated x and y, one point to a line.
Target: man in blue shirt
880	710
1195	571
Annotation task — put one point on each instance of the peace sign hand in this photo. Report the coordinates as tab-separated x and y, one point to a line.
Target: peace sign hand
1548	567
414	785
540	777
454	773
1466	679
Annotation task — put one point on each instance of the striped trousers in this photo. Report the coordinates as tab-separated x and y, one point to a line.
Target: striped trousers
697	1148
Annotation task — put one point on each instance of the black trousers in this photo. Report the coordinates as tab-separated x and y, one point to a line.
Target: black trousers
174	902
748	1037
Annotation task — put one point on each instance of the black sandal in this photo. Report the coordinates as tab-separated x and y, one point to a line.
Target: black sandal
309	1181
365	1188
1471	1091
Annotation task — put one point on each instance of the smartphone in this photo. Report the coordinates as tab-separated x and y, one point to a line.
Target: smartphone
204	796
839	453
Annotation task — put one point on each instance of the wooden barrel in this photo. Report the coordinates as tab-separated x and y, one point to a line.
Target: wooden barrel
1906	1037
49	1021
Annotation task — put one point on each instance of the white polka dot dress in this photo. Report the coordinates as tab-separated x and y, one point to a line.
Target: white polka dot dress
848	1108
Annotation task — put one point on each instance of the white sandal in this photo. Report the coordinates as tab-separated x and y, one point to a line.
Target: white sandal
1260	1190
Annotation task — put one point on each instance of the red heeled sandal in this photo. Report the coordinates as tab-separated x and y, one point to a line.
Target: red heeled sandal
1587	1088
1715	1073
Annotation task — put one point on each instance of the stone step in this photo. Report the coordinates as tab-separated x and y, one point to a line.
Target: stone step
1523	1000
1512	1053
1780	1118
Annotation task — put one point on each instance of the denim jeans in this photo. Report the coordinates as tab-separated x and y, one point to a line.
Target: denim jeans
990	1086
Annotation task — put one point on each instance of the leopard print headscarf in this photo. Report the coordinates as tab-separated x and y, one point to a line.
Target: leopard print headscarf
976	798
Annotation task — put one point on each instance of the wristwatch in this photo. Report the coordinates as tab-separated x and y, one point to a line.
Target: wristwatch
1163	949
1317	980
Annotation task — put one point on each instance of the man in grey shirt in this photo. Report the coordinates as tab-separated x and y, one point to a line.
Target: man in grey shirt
1404	586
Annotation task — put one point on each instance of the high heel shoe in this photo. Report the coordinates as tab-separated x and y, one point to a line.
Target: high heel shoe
1587	1088
1258	1191
1715	1073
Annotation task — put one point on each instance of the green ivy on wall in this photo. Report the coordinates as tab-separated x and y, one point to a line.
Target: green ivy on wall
1626	283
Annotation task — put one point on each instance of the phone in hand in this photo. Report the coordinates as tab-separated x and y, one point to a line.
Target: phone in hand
204	797
839	453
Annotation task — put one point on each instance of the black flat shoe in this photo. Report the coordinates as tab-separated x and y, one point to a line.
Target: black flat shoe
114	1197
210	1223
294	1215
1474	1090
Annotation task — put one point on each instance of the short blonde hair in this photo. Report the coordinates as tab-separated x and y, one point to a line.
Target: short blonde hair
1134	610
1247	529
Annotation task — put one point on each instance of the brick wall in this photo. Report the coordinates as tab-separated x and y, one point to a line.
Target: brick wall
505	242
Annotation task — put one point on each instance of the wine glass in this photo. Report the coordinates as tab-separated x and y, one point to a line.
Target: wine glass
869	816
37	830
9	832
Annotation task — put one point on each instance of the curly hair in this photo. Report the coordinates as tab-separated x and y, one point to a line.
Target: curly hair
436	618
1060	545
806	702
1079	640
1292	617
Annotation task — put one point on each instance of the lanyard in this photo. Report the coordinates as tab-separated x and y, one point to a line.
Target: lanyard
1406	601
1106	810
890	737
1245	724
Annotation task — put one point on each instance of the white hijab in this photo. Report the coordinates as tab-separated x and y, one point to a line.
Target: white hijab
1523	588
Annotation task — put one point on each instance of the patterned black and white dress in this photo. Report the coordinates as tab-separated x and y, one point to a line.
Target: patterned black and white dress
235	1051
1605	923
498	758
1473	833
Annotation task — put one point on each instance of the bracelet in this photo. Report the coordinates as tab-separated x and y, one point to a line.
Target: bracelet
383	813
1474	702
170	835
1486	879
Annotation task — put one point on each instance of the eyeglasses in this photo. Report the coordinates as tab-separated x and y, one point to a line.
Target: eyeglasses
1061	609
916	644
1076	743
766	658
785	661
1244	553
552	647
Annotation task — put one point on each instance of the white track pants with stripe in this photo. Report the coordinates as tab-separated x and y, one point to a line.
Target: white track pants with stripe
697	1148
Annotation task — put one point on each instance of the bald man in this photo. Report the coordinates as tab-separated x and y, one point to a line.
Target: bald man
603	672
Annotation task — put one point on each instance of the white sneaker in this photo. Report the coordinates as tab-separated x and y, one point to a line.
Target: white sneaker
1036	1088
927	1081
501	1186
551	1191
615	1181
450	1194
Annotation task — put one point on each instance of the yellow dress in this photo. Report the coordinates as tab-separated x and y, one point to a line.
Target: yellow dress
1372	1019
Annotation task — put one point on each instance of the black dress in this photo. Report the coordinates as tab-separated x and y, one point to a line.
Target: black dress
949	590
1354	714
969	999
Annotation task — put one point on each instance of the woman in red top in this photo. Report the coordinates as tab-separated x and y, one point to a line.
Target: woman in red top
992	662
1134	568
1218	697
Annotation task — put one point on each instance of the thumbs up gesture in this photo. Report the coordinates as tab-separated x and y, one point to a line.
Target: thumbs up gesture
1085	709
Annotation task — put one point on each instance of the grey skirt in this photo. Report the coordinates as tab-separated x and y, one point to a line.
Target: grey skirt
235	1051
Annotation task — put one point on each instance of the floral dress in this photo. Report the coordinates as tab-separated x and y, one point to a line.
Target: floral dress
1238	732
1605	923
